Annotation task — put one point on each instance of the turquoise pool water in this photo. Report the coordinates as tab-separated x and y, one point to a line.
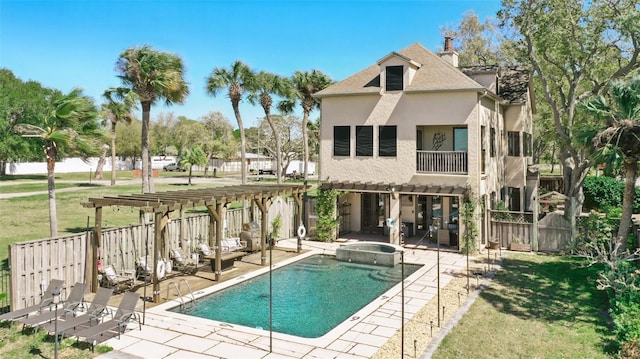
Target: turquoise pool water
310	296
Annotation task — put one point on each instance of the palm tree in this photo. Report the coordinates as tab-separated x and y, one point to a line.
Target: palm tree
235	80
306	84
261	88
70	127
193	157
116	112
152	75
621	137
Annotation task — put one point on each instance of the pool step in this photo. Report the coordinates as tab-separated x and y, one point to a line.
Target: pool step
387	275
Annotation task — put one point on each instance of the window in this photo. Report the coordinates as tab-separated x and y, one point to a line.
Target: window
364	140
394	75
527	144
460	139
483	148
492	145
514	199
419	145
387	146
513	139
341	141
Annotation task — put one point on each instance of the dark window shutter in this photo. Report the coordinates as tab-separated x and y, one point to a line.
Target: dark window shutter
388	141
341	143
364	140
394	78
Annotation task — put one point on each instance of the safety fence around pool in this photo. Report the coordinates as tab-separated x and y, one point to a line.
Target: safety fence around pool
33	264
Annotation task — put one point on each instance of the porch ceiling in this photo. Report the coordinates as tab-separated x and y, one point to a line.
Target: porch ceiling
174	200
399	188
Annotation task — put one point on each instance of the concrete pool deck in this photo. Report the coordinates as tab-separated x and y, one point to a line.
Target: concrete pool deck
170	335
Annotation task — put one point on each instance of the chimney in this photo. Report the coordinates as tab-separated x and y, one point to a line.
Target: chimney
449	54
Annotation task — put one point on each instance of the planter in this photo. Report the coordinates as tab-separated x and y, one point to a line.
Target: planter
521	247
493	245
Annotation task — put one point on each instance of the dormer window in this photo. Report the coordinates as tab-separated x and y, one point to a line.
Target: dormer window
394	78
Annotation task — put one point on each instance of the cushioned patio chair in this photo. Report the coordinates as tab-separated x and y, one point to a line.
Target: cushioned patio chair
183	263
73	303
111	279
97	310
45	302
144	268
124	315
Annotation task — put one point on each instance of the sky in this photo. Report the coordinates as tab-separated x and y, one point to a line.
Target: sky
76	43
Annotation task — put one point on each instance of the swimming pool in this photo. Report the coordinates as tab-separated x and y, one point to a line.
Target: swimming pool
310	296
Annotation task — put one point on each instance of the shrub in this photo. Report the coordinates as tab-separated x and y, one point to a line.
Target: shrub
327	219
603	193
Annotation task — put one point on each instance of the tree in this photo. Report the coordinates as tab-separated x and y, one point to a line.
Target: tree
306	84
288	133
477	43
69	127
128	144
620	109
575	48
162	128
193	157
20	102
235	80
221	143
265	84
115	112
152	75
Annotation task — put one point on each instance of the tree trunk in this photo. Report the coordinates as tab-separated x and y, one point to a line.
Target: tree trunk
267	112
190	168
101	162
146	156
630	167
243	155
113	153
51	152
305	142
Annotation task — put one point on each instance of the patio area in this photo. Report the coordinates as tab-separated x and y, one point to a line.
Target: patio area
171	335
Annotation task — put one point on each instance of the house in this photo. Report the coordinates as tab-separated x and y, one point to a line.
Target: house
406	138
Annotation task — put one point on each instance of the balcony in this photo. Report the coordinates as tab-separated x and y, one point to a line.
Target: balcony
446	162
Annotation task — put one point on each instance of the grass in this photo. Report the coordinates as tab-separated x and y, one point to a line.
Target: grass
31	343
537	306
28	217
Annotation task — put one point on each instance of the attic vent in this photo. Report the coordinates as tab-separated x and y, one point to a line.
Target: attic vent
394	78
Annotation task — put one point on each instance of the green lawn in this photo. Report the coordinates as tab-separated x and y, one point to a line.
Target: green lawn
27	218
538	306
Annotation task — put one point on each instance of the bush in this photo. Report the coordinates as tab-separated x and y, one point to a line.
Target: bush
603	193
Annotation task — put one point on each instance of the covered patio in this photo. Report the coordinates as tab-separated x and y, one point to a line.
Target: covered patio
159	206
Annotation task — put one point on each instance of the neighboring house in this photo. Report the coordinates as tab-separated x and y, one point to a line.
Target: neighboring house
255	163
409	135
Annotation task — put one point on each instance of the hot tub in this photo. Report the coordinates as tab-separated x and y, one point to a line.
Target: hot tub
383	254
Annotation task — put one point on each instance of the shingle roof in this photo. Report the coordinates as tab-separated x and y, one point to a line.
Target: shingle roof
435	74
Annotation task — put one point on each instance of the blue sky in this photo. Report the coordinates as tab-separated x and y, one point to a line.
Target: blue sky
74	43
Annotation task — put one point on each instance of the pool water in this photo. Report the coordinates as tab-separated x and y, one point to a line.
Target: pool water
310	296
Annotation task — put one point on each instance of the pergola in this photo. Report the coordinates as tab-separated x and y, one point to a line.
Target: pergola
162	204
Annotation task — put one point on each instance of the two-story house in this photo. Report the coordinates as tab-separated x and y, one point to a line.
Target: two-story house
406	138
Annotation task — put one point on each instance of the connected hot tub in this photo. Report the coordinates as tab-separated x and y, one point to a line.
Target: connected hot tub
383	254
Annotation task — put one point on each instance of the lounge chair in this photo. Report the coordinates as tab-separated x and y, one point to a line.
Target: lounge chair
46	301
124	315
74	302
96	311
144	269
111	279
183	263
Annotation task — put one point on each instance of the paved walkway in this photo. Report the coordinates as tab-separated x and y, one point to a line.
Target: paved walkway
172	335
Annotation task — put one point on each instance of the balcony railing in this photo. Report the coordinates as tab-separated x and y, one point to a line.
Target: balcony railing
454	162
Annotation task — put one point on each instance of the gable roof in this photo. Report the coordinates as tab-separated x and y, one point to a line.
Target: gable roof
434	74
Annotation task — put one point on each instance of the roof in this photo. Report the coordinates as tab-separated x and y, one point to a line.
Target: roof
434	74
174	200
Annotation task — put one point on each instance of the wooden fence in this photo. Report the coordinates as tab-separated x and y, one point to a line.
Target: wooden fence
508	227
33	264
554	232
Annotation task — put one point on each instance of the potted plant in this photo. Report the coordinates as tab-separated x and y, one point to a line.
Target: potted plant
276	225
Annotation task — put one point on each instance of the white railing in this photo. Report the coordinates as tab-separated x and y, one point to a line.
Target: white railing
442	162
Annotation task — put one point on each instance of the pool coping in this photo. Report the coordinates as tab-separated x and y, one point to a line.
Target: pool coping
322	341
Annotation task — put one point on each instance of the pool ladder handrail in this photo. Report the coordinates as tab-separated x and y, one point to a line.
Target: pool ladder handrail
177	287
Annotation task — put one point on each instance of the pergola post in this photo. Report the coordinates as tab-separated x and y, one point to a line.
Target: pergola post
92	258
156	241
216	216
299	202
263	205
